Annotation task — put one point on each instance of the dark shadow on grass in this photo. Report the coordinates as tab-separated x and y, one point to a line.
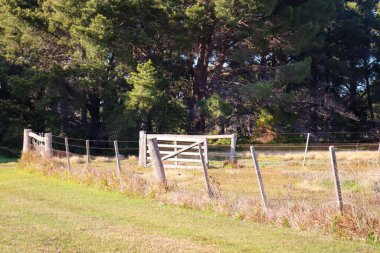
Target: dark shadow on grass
7	159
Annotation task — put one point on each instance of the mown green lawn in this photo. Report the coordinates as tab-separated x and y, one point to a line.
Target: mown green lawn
40	214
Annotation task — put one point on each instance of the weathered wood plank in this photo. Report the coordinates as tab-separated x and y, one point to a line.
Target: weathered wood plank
48	139
142	149
37	137
165	152
27	145
178	146
180	151
181	160
188	137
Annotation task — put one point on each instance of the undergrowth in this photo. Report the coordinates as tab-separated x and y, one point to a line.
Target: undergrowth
351	223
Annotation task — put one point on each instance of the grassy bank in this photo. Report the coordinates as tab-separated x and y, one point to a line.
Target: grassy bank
44	214
299	197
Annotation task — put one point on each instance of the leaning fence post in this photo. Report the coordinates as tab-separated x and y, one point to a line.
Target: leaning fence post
334	167
233	148
88	152
27	146
158	167
204	166
306	148
67	153
48	145
118	171
260	180
142	149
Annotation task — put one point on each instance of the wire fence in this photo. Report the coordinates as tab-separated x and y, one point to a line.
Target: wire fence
286	180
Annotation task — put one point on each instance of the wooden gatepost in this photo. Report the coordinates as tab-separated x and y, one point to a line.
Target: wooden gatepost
46	139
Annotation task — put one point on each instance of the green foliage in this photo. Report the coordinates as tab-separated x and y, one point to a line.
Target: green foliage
218	108
7	152
146	92
257	91
264	121
105	69
294	73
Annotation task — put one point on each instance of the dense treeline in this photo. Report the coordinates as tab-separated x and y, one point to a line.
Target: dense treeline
105	69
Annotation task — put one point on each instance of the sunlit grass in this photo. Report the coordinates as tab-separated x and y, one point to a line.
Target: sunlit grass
285	179
40	214
302	197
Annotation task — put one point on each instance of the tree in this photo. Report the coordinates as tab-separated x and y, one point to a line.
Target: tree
145	94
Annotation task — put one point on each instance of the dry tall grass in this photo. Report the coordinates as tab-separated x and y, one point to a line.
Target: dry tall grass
236	193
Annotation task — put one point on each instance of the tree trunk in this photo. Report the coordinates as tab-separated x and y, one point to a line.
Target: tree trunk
96	129
199	84
369	98
353	98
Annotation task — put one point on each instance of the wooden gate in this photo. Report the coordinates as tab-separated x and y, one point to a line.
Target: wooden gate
169	144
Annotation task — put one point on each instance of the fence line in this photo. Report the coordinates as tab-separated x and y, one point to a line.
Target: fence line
290	179
78	139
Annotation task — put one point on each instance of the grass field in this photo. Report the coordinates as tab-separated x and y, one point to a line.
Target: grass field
285	179
40	214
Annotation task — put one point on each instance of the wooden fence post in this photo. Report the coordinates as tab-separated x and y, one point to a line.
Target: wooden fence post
142	149
204	166
334	167
67	153
306	148
260	180
378	155
48	145
233	148
206	152
118	168
88	152
27	144
175	150
158	167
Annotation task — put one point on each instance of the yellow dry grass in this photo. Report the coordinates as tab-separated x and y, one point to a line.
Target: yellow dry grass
298	196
